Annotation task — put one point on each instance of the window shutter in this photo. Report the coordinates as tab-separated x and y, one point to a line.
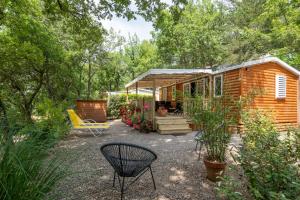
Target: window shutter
280	86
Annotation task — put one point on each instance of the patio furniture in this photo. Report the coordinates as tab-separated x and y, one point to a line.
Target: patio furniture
198	138
86	124
179	110
128	160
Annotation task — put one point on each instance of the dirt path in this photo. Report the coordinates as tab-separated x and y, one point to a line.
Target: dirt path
177	171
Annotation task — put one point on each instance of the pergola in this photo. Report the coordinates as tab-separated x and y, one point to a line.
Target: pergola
157	78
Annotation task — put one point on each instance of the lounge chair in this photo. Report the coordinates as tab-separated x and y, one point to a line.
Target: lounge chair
87	124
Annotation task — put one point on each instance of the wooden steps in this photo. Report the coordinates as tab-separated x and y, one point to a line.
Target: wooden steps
172	125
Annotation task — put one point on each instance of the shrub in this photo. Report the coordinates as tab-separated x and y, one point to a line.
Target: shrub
115	104
268	161
213	118
117	101
24	172
52	119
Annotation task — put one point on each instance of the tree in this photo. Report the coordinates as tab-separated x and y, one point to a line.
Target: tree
28	51
195	37
266	27
140	56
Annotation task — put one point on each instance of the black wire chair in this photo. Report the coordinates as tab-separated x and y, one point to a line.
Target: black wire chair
128	160
198	138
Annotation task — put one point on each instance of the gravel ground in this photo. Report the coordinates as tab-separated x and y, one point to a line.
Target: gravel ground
177	171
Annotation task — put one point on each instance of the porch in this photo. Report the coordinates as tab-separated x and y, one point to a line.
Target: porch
177	119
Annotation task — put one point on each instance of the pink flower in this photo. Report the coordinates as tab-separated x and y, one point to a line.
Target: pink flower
146	106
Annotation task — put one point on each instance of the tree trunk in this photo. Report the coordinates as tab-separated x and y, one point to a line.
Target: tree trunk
4	124
89	79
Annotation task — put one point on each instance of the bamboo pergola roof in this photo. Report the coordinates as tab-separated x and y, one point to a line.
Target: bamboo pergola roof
164	77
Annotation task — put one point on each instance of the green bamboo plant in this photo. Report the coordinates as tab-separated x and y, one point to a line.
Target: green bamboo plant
213	117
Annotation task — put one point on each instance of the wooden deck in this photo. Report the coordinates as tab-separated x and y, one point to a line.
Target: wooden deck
174	125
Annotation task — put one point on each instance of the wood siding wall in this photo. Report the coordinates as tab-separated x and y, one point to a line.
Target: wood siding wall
92	109
241	82
262	77
232	91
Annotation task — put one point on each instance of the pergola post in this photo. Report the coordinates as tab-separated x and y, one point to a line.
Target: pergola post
127	95
136	93
153	104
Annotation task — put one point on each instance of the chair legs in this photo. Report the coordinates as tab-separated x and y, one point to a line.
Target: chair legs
114	178
200	151
152	178
122	188
200	148
196	145
122	182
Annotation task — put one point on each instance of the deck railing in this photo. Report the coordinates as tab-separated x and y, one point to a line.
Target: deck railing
190	104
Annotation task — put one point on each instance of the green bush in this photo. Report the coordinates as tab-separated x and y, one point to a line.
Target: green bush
25	174
117	101
228	188
268	160
52	119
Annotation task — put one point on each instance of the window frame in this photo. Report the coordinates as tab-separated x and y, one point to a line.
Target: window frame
173	92
199	89
184	94
277	96
215	77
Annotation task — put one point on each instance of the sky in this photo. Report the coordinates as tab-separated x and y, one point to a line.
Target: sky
138	26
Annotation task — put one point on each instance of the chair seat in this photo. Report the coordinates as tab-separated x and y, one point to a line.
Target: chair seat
132	168
128	160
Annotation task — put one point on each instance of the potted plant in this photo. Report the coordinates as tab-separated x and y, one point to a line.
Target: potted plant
213	118
162	111
146	126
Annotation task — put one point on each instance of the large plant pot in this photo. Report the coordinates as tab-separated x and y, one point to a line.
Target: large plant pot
214	170
137	126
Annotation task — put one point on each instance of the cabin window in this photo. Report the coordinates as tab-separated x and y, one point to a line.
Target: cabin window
193	89
206	87
280	86
173	93
186	90
199	89
165	94
218	85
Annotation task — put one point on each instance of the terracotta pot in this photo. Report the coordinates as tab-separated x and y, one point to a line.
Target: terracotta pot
129	122
214	170
162	112
124	118
137	126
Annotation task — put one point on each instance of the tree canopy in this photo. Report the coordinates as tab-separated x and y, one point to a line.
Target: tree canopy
58	49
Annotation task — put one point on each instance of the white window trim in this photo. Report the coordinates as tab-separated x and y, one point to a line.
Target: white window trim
184	89
277	84
217	76
173	96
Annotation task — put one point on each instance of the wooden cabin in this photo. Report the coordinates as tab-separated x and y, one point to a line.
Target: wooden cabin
277	82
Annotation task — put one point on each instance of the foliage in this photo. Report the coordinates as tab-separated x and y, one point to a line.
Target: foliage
212	32
146	126
213	117
140	56
227	188
53	117
24	173
268	160
116	102
196	37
